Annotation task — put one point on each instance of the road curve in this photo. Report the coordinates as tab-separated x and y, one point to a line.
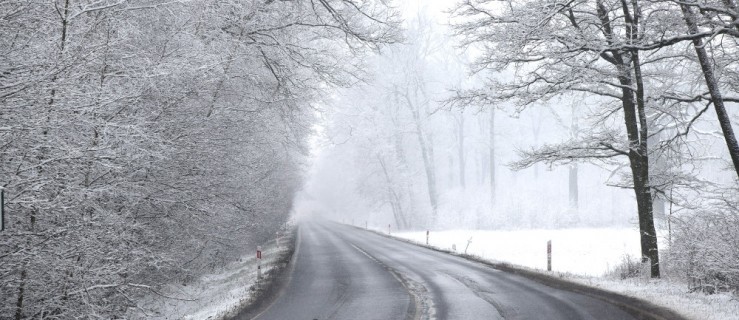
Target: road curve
341	272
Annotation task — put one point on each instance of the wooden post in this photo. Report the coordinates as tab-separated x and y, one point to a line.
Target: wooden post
549	255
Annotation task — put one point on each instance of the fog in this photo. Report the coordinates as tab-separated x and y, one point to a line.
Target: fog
401	148
148	147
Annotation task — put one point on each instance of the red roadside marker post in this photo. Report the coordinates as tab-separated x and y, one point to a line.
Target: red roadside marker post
549	255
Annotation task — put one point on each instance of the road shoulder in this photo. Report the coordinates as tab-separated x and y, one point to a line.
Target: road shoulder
274	281
639	308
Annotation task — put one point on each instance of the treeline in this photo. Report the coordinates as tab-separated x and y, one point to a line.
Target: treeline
148	142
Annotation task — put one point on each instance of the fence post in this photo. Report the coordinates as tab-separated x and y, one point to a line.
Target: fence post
549	255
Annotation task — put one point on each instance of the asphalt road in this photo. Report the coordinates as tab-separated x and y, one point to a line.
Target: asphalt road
341	272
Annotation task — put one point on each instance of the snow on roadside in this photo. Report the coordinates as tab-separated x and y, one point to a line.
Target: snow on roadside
583	256
212	296
669	294
589	252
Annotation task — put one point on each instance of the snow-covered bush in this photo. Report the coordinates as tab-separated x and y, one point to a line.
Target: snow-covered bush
705	248
630	267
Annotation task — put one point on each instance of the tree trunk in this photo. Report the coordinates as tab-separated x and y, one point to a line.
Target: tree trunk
460	145
19	302
629	70
573	188
536	129
639	162
646	215
450	177
573	173
400	220
492	156
713	88
657	166
426	155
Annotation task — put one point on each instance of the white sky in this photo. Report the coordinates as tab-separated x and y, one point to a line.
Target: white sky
436	8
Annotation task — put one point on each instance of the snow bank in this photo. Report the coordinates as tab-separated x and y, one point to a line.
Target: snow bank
213	296
672	295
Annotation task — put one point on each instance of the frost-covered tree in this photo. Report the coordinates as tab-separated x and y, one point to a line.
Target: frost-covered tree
146	142
551	49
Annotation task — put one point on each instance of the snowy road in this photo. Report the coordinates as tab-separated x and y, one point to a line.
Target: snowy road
341	272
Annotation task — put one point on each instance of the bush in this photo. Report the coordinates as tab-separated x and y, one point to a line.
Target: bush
630	267
705	249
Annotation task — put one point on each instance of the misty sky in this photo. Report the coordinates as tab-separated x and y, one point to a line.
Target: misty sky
352	148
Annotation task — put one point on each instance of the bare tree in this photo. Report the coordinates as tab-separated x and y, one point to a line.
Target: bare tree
707	67
562	53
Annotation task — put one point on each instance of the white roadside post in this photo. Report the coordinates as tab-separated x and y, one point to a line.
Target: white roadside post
388	228
427	237
277	238
549	255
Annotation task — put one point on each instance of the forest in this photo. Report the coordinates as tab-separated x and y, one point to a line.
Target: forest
147	142
151	141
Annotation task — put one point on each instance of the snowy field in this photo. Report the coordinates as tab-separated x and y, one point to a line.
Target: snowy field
590	252
212	296
584	256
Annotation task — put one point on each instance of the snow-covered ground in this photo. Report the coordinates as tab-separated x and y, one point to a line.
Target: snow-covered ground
212	296
584	256
590	252
670	294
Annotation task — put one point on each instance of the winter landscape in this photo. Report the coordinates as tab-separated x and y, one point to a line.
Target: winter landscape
369	159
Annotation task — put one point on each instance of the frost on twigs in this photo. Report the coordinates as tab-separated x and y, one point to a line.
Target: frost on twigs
599	147
147	143
704	249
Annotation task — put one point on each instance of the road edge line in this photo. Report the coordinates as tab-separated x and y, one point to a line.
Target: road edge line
416	301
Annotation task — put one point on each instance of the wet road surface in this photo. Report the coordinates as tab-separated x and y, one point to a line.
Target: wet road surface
341	272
